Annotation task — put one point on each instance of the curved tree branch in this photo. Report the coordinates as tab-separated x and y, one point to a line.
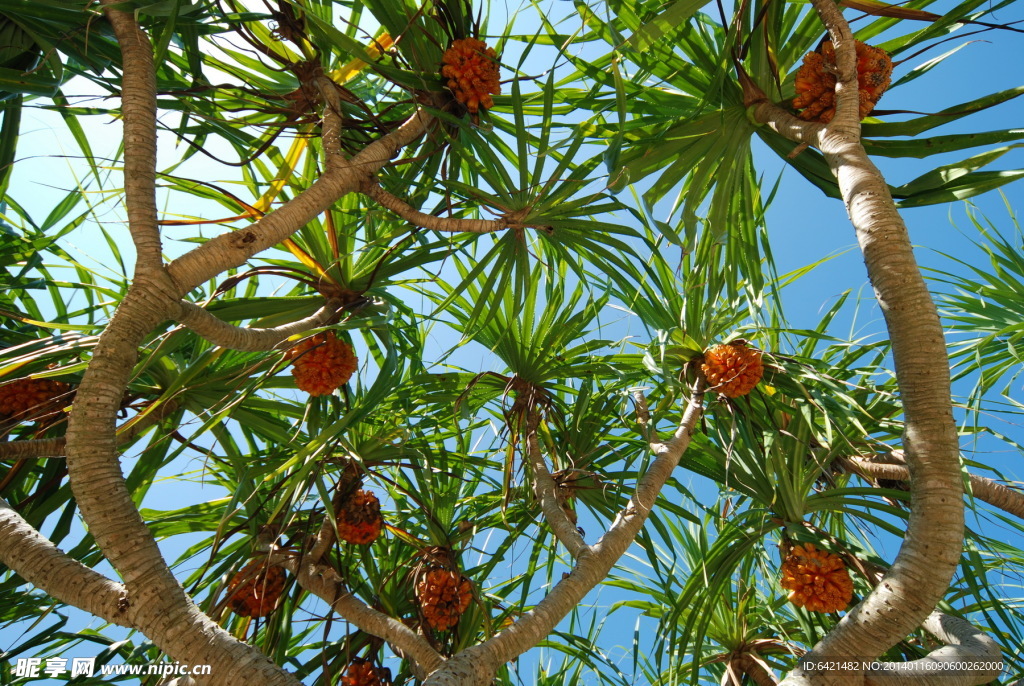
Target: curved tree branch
965	645
324	582
378	153
95	475
643	418
178	626
983	488
921	573
477	665
138	107
40	563
324	539
332	126
232	249
232	337
57	447
167	615
546	491
757	669
372	190
32	449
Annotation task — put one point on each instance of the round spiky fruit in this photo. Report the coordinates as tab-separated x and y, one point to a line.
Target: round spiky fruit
732	369
29	399
816	580
322	363
472	72
816	81
256	589
443	596
359	519
363	673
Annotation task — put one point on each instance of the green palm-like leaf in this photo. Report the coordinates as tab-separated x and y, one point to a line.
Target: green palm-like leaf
619	166
985	310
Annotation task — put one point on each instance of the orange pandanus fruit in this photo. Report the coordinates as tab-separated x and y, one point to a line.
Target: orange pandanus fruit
816	81
359	519
25	400
256	589
732	369
816	580
443	596
322	363
472	72
363	673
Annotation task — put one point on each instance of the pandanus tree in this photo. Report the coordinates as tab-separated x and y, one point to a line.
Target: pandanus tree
444	347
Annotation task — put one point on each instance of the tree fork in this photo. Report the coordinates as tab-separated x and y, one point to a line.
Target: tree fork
165	613
477	665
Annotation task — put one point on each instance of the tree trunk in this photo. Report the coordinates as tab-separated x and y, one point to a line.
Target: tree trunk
920	575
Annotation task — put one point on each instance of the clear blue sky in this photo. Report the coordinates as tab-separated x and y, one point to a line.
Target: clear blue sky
804	225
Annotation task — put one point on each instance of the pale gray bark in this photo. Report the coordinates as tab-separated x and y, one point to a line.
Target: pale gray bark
232	337
546	491
232	249
165	613
983	488
965	645
138	105
161	609
477	665
41	564
372	190
921	573
325	583
331	130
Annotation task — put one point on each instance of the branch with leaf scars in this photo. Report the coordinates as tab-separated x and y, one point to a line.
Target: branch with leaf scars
983	488
594	563
95	475
324	582
32	449
371	189
233	337
325	537
330	132
378	153
546	491
965	645
757	669
232	249
39	562
643	416
919	577
846	121
323	540
847	116
138	109
767	112
55	447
